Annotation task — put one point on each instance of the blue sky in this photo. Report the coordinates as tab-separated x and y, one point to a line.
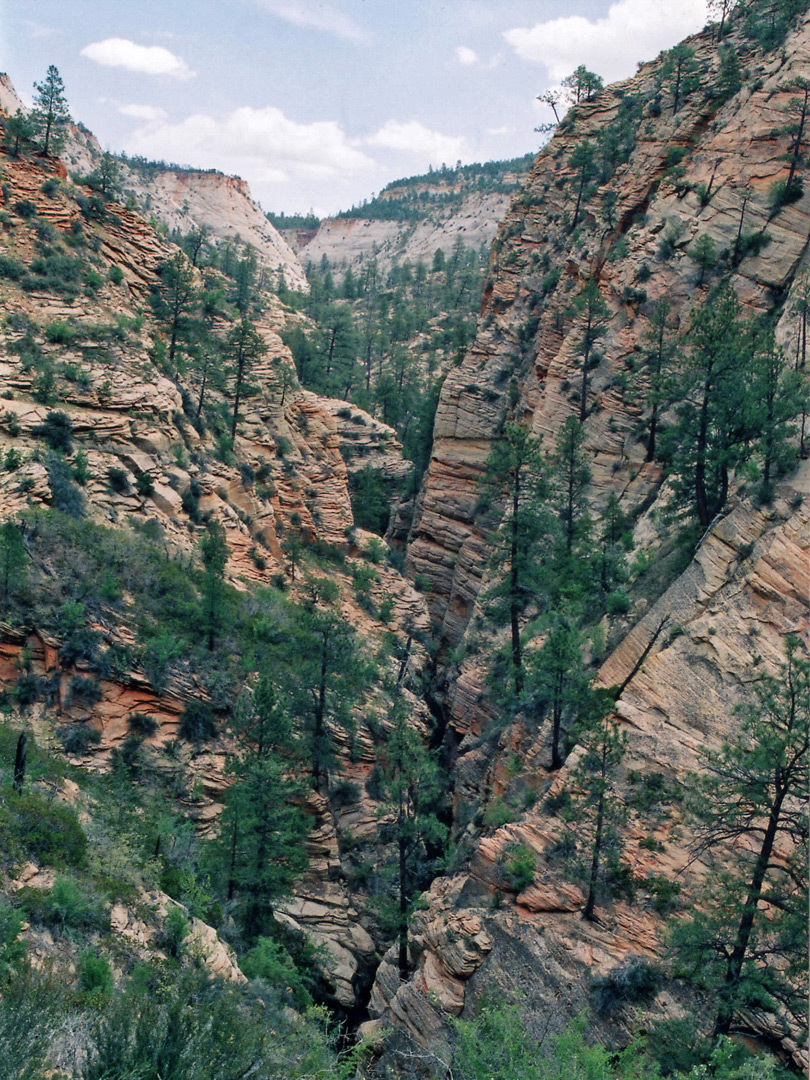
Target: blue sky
320	104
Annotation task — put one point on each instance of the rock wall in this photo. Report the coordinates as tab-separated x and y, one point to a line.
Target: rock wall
745	589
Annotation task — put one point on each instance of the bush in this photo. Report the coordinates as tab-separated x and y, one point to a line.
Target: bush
142	725
269	961
116	275
24	208
57	431
65	495
175	931
144	484
94	974
29	689
634	980
617	602
67	906
77	738
12	949
84	691
519	867
60	333
48	832
118	480
197	723
10	268
344	793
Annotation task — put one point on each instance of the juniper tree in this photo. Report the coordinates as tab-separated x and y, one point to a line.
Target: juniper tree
797	111
50	113
746	943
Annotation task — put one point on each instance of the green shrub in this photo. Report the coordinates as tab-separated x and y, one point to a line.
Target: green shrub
10	268
59	332
617	602
269	961
175	931
77	738
94	974
142	725
197	722
46	831
519	867
65	495
67	906
118	479
12	949
57	431
632	981
144	484
24	208
84	691
498	814
116	275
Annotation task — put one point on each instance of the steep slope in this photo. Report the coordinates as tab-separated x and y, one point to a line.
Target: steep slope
706	171
100	426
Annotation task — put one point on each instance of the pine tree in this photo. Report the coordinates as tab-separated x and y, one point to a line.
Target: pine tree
262	829
596	807
13	559
593	313
19	132
583	162
50	113
244	346
711	433
570	478
658	356
557	684
177	298
747	940
410	795
215	557
517	477
683	73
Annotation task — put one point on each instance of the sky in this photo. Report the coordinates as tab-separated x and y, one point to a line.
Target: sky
320	103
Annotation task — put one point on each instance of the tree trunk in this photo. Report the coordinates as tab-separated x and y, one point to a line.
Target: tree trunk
240	366
735	961
514	598
797	146
402	958
20	762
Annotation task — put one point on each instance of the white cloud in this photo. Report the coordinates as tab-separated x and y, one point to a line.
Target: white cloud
38	30
148	113
146	59
505	129
632	30
322	17
412	137
466	56
262	145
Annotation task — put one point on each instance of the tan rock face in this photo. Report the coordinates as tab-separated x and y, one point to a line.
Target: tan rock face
189	199
745	589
